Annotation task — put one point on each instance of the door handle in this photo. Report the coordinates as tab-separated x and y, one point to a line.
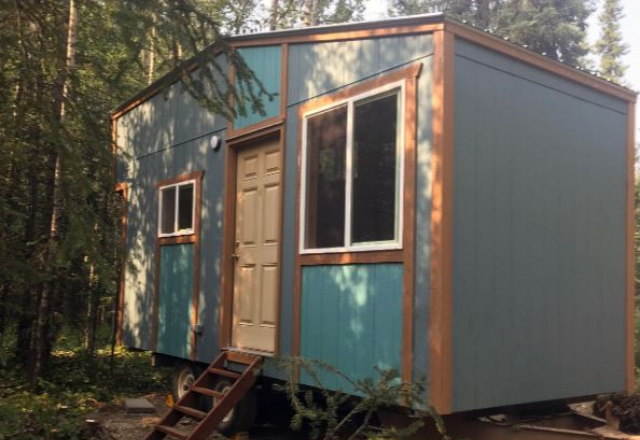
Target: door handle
235	257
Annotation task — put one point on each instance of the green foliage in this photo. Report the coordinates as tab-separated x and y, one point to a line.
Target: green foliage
610	46
554	28
79	384
337	414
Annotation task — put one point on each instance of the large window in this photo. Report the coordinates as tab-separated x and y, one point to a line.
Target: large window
352	174
177	209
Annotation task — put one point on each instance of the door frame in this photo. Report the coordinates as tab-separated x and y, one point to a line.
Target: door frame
229	227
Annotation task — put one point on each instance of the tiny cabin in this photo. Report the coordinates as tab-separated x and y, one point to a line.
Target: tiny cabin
419	195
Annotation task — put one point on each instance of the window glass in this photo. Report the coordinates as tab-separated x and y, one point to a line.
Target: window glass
326	159
167	216
185	207
374	172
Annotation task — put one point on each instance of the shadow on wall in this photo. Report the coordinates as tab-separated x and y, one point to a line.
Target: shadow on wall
352	318
166	137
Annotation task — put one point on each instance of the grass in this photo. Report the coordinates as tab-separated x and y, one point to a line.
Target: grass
77	384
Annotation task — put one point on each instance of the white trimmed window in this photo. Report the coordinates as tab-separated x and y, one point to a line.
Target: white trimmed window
177	209
352	174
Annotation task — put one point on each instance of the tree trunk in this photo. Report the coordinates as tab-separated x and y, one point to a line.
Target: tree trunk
41	345
273	15
152	53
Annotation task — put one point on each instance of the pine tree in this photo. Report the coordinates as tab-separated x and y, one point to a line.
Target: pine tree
554	28
610	46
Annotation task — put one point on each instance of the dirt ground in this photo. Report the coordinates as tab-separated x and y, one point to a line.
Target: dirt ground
112	422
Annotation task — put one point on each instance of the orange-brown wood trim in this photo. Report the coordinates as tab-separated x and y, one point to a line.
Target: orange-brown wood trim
255	131
326	37
284	80
228	227
440	362
393	256
114	148
196	269
513	50
123	189
229	230
411	71
196	175
194	239
408	230
406	255
631	306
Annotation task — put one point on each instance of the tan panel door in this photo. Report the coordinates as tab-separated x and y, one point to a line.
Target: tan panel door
257	247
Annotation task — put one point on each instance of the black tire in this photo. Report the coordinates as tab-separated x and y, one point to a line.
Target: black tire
184	374
242	417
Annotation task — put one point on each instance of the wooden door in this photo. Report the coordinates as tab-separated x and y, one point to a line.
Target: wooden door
257	247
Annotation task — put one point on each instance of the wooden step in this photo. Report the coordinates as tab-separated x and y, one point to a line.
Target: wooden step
225	373
191	412
173	432
207	392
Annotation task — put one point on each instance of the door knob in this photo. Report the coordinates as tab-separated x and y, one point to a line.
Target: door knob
235	257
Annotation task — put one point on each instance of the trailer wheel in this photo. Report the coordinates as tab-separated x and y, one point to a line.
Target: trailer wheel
184	375
242	417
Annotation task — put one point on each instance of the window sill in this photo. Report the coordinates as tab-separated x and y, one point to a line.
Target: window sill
178	239
364	256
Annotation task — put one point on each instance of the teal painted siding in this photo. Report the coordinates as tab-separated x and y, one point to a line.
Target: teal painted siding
538	235
266	63
175	300
352	318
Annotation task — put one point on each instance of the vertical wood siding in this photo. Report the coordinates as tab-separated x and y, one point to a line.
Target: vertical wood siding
141	237
175	300
352	318
539	235
265	61
315	69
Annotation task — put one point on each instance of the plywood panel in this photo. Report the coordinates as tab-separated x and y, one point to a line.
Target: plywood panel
265	62
352	318
175	300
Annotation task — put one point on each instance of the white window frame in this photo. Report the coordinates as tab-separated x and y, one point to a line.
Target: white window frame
177	186
399	88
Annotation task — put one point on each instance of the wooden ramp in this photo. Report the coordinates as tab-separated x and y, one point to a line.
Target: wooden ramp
223	402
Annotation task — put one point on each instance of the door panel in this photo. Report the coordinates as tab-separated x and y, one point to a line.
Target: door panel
257	247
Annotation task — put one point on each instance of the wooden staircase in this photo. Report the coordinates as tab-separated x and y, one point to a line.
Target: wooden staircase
187	406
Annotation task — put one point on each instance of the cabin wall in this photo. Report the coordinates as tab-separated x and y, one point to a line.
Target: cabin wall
317	69
539	208
164	137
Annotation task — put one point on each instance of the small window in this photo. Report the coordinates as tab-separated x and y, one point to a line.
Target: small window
177	206
352	174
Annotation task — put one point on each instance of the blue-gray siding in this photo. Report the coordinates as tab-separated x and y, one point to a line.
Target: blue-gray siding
538	235
141	237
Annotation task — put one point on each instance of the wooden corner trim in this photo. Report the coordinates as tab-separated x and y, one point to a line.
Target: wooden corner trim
122	188
513	50
630	251
440	340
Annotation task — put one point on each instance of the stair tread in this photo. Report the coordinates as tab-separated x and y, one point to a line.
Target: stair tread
225	373
174	432
207	391
191	412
